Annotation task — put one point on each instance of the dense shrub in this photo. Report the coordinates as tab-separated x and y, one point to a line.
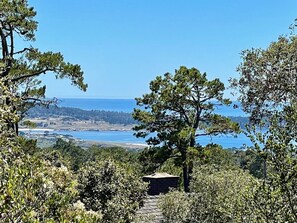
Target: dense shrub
34	190
217	195
111	190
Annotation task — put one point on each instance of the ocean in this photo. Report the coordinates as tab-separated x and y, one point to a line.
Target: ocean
119	105
127	105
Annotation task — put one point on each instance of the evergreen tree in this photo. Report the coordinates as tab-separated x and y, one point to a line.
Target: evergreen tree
21	66
179	109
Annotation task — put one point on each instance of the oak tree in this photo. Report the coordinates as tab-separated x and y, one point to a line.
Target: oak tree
267	87
268	78
276	199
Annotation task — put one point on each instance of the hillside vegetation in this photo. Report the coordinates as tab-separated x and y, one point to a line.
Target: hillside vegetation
111	117
67	183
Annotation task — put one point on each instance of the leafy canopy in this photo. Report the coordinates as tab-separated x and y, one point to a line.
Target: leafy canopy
268	78
217	195
111	189
179	109
267	88
21	66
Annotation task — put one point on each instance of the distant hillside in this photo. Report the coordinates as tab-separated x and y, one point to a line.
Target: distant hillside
241	120
96	115
79	114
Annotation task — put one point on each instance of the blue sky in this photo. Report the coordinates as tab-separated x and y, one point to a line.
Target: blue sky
124	44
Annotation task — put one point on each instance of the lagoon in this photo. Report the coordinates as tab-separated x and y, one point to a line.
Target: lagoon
127	105
227	141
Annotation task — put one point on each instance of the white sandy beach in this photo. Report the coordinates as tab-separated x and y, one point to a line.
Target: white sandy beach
36	130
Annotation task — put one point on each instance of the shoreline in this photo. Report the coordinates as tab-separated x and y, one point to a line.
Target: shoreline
71	130
48	137
89	143
36	130
59	124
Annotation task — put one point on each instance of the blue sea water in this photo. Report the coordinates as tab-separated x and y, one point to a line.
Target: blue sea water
119	105
104	136
226	141
127	105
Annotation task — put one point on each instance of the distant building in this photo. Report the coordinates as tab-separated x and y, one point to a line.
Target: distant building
159	183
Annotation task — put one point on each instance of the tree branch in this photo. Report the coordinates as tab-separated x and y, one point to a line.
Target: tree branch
31	75
23	50
11	43
3	42
214	132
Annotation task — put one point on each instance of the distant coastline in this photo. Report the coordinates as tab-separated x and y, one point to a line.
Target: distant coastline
111	125
48	137
35	129
68	124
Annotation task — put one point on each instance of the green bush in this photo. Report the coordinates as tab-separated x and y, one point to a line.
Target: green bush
217	195
111	189
34	190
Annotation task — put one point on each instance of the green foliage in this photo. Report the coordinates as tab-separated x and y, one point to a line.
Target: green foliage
21	66
267	80
176	207
29	124
242	121
29	146
152	158
33	190
8	115
217	195
269	203
220	194
250	160
180	108
170	166
215	155
79	114
75	155
155	159
111	189
180	104
267	88
117	154
277	197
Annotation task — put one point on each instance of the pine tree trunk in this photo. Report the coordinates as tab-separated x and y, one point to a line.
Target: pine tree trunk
185	170
17	128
